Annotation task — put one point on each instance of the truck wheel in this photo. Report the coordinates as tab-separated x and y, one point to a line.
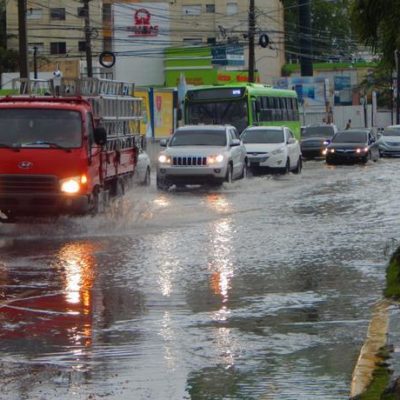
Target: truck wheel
100	199
146	180
120	188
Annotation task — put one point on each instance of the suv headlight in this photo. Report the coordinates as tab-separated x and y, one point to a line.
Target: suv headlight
278	151
215	159
164	159
72	185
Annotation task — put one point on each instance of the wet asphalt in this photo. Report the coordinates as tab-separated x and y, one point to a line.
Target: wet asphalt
262	289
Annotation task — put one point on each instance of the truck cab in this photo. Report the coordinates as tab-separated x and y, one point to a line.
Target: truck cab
63	154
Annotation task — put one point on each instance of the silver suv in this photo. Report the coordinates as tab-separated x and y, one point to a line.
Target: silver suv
201	154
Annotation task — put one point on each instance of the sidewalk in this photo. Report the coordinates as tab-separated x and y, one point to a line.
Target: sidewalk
383	331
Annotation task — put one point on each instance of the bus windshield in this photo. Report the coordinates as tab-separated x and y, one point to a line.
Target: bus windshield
220	113
37	127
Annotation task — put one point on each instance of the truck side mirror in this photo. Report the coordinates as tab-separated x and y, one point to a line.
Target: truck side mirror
100	136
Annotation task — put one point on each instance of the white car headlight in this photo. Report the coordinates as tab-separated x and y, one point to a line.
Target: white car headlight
278	151
215	159
164	159
72	185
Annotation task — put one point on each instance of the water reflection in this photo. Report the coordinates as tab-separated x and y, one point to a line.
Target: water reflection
221	267
56	306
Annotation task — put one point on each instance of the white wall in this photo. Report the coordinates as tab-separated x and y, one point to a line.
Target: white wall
140	57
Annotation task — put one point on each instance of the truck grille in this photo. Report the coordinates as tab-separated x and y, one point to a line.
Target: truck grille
28	184
190	161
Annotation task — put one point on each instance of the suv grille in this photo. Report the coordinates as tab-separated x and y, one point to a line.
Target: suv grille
190	161
28	184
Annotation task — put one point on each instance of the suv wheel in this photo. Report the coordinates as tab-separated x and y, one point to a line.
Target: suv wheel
229	174
162	183
299	166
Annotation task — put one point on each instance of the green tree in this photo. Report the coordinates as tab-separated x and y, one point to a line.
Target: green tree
8	58
376	23
332	38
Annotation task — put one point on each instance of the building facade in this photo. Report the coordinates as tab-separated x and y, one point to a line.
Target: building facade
139	32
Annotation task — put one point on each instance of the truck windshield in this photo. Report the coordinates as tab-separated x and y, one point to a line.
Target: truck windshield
233	112
40	128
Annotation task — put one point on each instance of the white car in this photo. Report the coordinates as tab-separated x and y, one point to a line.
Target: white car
143	169
201	154
272	147
389	141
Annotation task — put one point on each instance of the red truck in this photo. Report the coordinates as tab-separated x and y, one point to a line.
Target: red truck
68	150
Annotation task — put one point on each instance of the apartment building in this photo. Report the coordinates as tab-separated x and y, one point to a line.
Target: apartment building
139	32
56	29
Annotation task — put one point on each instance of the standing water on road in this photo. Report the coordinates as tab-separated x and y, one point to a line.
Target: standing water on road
262	289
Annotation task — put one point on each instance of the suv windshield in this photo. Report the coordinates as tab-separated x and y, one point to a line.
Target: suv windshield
391	132
37	127
263	136
350	137
199	138
318	131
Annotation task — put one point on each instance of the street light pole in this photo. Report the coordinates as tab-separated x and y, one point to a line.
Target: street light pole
252	28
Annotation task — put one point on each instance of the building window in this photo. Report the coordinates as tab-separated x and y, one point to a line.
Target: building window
81	46
231	8
57	14
192	40
211	40
80	12
34	13
210	8
192	9
58	48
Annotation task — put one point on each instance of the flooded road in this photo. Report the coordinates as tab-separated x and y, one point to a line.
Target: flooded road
262	289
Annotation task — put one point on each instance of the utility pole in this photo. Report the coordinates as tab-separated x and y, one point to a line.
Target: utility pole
35	73
88	44
252	28
306	66
23	42
397	61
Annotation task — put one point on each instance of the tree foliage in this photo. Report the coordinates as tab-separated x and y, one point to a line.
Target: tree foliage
330	26
377	24
8	58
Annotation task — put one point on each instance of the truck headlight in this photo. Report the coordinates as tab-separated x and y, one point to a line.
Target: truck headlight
72	185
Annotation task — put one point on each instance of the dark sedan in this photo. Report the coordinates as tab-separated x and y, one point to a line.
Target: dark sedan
352	145
314	139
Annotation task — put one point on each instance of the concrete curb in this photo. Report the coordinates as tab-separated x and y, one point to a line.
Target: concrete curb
375	340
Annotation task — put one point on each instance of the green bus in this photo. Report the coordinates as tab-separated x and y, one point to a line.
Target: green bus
242	105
